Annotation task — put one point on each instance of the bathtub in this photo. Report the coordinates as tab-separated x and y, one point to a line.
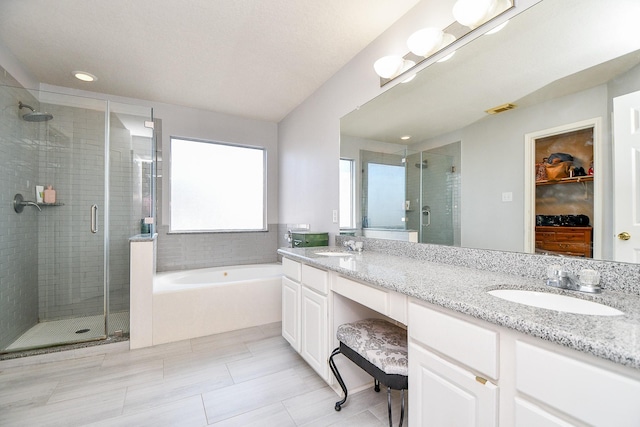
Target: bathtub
195	303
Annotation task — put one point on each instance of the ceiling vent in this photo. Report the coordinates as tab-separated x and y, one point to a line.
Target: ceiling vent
501	108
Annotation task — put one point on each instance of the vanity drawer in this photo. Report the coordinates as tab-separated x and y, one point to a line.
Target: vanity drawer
465	342
291	269
389	303
589	393
315	278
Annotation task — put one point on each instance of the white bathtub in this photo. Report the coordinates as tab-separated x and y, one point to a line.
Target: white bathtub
196	303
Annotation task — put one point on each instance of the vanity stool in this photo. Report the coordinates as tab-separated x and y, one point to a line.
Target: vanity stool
380	348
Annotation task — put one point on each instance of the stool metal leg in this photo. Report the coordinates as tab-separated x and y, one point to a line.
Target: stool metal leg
334	369
389	404
401	407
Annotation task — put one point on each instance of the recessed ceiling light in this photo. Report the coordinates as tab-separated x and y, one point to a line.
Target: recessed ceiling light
84	76
404	138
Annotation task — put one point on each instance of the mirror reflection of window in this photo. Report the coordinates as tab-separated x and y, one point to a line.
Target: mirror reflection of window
347	194
385	196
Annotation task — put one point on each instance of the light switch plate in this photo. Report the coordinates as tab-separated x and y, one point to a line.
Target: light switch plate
507	196
335	216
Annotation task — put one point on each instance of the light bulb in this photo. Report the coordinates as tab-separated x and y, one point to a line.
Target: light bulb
388	66
426	41
473	13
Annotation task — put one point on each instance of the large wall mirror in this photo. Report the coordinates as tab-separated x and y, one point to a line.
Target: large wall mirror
562	63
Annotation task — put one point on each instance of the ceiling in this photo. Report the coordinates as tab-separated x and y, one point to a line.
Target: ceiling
250	58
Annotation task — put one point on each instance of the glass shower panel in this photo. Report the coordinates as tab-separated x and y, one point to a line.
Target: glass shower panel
131	172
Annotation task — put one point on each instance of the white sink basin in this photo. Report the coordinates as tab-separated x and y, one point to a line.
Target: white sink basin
334	253
555	302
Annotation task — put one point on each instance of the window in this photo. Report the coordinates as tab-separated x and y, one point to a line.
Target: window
385	196
217	187
347	194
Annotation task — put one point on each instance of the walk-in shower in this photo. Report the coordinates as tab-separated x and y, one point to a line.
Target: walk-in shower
412	195
64	263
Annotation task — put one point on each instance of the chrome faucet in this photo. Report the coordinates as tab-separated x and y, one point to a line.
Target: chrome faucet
560	278
352	245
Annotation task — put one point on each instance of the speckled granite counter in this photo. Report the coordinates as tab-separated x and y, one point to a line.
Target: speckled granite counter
464	290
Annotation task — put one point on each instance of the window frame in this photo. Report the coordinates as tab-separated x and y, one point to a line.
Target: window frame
352	201
264	227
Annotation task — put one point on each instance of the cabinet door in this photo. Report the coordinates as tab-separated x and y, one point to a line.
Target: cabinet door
314	345
530	415
291	312
589	393
444	394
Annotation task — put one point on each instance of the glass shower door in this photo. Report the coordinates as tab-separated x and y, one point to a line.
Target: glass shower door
66	155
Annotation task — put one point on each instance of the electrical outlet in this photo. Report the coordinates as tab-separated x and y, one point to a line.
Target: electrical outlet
335	216
507	196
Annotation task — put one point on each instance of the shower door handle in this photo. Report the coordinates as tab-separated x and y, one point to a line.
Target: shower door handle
94	219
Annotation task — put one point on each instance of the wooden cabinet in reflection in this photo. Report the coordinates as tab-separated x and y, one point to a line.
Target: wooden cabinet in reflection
572	241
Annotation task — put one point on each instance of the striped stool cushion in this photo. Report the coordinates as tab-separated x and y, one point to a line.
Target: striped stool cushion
381	343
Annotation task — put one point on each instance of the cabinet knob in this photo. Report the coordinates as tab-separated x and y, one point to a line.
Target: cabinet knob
624	236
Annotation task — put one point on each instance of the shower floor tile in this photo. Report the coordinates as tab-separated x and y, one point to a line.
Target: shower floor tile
66	331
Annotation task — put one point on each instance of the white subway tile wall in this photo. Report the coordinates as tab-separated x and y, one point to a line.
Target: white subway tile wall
18	233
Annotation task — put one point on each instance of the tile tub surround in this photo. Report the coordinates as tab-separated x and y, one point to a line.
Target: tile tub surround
464	290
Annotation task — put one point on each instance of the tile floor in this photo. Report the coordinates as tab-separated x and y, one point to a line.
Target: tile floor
250	377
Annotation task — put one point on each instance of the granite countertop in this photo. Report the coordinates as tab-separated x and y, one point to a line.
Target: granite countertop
464	290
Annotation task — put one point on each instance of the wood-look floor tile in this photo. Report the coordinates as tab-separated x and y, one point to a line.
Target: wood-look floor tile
272	329
227	338
162	392
52	370
270	415
251	395
186	383
113	360
317	408
381	410
68	413
25	395
267	345
187	412
264	364
363	419
188	362
107	379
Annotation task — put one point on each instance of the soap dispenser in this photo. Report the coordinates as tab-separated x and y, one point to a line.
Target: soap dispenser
49	195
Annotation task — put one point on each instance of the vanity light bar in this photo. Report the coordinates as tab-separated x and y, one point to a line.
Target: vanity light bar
501	108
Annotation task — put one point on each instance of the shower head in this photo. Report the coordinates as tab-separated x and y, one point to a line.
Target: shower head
34	116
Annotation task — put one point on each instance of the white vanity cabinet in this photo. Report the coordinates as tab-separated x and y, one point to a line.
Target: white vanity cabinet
291	312
305	313
554	387
291	289
453	365
465	372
